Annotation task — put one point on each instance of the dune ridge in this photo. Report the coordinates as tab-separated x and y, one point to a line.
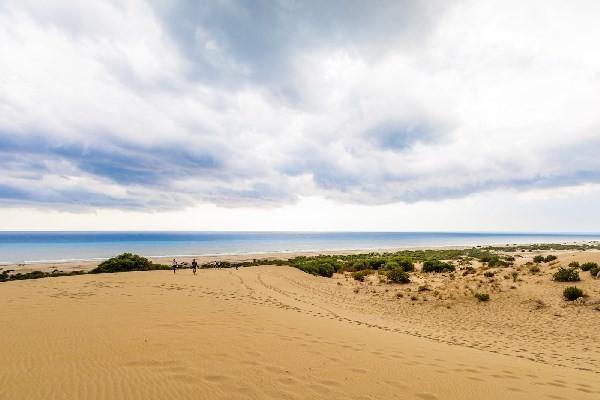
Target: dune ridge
276	332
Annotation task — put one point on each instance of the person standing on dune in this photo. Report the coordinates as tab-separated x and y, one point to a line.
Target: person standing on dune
174	266
194	266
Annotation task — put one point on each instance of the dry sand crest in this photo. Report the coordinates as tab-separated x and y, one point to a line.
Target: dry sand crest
276	332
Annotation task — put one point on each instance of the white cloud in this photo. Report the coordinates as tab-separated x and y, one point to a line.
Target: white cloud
166	105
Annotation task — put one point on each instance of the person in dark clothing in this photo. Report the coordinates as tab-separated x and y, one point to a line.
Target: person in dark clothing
174	265
194	266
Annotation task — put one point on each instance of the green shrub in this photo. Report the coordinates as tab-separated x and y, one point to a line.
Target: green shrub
362	274
550	258
488	274
406	264
437	266
482	296
588	266
316	267
9	275
127	262
574	265
594	271
566	275
398	275
375	263
538	259
572	293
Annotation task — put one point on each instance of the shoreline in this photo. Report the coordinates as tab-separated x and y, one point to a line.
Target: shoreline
87	264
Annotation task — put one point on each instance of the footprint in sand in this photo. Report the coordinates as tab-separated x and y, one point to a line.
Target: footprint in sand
427	396
215	378
358	370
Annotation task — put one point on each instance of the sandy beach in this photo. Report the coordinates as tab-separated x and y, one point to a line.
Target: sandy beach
272	332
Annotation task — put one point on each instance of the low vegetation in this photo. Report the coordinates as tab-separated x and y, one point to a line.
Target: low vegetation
482	296
574	265
398	275
437	266
433	260
541	259
588	266
572	293
127	262
566	275
362	274
11	275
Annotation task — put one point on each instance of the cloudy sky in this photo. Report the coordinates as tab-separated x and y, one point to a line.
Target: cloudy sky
268	115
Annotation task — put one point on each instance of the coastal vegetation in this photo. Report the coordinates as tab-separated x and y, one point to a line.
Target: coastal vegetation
396	267
362	274
398	275
483	297
11	275
437	266
572	293
588	266
127	262
566	275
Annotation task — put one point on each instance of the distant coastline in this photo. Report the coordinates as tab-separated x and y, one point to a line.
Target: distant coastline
32	248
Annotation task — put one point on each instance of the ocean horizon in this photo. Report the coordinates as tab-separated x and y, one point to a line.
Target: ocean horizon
30	247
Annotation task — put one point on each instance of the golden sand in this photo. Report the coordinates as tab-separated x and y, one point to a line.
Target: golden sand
278	333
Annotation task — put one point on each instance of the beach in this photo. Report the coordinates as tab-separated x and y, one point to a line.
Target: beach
276	332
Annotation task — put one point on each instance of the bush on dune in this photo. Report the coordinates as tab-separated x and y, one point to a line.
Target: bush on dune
127	262
482	297
362	274
566	275
574	265
437	266
405	263
588	266
317	268
319	265
398	275
8	275
572	293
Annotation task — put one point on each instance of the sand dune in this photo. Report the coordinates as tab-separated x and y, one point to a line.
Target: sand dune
278	333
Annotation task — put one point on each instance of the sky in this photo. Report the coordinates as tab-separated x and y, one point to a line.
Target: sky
300	115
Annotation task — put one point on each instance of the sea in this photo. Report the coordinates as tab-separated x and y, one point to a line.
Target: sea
37	247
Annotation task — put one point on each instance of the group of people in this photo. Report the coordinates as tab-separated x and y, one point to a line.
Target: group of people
175	265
